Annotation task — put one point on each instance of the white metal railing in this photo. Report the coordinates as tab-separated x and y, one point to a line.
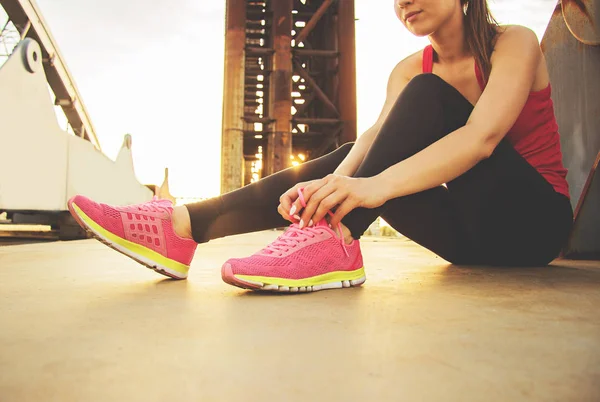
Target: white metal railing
27	18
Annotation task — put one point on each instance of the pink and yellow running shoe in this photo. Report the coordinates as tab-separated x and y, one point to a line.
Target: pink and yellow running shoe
143	232
300	260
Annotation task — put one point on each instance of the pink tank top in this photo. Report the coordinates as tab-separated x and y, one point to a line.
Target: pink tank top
535	133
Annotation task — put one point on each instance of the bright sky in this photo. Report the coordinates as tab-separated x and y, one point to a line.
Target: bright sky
156	72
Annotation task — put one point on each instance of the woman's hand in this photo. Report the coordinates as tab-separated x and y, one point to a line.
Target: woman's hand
341	193
287	199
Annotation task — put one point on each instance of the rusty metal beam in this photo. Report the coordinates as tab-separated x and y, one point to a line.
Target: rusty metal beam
318	91
258	119
346	34
232	156
261	51
303	52
269	53
309	120
301	109
310	25
279	146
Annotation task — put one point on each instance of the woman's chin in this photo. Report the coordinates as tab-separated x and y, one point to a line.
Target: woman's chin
419	32
418	29
422	34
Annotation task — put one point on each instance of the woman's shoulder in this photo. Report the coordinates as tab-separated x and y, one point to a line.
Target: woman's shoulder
515	42
514	33
410	66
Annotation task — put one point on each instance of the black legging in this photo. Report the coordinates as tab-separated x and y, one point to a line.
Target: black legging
501	212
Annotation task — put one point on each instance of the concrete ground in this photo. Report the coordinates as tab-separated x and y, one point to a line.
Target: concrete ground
80	322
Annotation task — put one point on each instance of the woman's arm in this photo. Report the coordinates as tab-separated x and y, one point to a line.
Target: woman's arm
514	64
396	83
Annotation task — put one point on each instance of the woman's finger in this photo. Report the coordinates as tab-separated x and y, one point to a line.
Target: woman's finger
288	198
342	210
284	213
307	192
328	204
316	199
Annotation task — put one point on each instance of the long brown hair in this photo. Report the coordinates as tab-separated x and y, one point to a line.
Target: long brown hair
481	29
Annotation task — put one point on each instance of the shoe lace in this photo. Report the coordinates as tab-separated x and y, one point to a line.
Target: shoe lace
294	235
291	238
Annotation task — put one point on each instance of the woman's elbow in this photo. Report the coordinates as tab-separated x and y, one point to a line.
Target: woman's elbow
487	145
485	151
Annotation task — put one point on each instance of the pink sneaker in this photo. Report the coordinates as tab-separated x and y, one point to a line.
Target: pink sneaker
143	232
300	260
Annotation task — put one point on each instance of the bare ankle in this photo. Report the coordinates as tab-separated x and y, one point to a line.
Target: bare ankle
181	222
346	234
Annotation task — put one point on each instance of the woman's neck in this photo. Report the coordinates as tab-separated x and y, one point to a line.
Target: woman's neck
449	40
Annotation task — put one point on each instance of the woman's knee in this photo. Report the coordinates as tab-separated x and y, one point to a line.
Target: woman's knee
425	83
345	148
423	94
429	89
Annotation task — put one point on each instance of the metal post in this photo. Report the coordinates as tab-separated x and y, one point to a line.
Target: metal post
232	141
280	140
347	70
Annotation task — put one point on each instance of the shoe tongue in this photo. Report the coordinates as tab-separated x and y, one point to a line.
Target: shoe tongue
322	222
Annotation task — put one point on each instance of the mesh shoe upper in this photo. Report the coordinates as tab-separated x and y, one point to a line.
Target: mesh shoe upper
148	224
301	253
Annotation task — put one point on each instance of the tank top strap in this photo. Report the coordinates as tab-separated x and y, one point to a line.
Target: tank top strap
428	59
428	66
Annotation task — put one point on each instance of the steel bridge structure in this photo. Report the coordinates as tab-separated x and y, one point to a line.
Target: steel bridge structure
290	85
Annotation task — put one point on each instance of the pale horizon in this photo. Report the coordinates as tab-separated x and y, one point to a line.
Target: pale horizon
158	75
